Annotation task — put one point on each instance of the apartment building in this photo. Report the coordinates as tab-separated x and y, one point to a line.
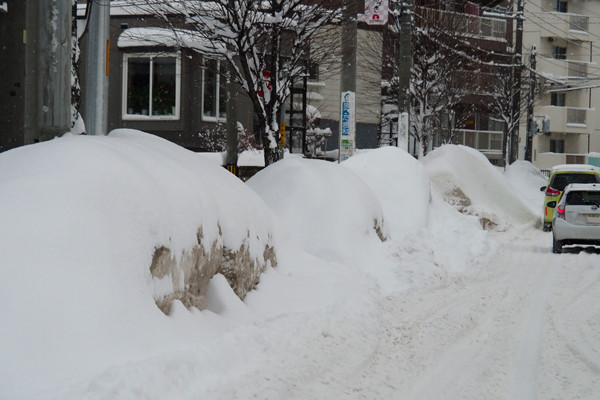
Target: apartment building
481	39
565	35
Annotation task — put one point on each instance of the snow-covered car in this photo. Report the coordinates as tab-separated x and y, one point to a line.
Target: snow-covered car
576	218
560	177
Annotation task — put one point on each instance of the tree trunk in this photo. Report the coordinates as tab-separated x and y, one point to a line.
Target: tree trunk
271	156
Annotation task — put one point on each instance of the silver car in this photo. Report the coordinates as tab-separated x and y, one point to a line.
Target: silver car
576	218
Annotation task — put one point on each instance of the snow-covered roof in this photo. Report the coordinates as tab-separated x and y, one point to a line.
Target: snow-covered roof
575	168
314	96
144	37
125	8
582	186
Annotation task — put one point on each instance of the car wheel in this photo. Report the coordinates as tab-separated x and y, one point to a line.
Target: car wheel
556	245
547	226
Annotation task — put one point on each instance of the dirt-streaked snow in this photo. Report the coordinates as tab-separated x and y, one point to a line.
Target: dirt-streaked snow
441	309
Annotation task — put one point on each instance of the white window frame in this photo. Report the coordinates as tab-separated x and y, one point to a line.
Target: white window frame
136	117
209	118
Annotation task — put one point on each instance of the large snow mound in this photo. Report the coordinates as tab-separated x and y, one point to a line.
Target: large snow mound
320	199
81	217
400	183
468	180
527	180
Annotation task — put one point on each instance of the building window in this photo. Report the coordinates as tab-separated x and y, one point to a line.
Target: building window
557	146
559	53
560	6
313	71
496	124
557	99
214	91
151	87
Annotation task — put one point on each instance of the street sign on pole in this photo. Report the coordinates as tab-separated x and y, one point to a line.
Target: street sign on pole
376	12
347	125
403	131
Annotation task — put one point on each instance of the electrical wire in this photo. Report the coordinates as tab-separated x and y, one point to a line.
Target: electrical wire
553	29
467	44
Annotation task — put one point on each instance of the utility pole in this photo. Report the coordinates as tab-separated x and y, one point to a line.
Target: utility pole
47	40
348	80
404	22
531	124
95	97
232	126
516	86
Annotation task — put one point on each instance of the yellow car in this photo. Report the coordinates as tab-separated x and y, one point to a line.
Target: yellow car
560	177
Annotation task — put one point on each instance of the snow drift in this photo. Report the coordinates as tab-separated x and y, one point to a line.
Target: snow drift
400	182
85	220
320	199
89	221
474	186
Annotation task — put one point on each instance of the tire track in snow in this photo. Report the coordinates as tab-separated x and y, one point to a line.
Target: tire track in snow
477	336
524	385
571	367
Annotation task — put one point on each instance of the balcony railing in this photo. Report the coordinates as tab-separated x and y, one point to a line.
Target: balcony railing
579	23
468	24
563	69
545	161
568	119
564	25
577	69
576	116
484	141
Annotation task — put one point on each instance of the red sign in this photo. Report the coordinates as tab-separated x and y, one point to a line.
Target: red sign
376	12
266	83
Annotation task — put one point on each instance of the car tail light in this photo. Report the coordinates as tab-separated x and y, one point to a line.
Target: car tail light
552	192
561	211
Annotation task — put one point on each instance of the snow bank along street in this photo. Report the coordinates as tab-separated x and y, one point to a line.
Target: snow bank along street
391	278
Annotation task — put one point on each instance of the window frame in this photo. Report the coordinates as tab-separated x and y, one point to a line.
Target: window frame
557	146
220	73
560	6
125	116
558	99
559	52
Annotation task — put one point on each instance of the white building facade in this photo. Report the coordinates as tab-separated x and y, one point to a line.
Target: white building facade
566	36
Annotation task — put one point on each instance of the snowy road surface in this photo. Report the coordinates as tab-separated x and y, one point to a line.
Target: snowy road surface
526	326
441	310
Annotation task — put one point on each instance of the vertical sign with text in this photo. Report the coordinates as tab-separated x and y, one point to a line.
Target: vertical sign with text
403	131
347	125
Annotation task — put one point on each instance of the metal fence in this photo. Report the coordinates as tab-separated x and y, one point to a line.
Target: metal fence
484	141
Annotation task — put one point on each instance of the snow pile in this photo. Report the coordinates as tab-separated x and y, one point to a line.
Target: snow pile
527	180
329	208
474	186
82	217
400	182
329	211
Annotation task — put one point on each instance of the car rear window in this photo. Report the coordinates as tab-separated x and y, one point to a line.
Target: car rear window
560	181
581	197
